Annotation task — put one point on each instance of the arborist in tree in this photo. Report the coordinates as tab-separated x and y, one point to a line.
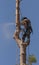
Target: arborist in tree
27	28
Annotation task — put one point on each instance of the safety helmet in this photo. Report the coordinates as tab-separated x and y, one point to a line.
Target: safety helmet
24	20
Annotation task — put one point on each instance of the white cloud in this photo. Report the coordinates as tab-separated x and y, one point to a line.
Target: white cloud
7	30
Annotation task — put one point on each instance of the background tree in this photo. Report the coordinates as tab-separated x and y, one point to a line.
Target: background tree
32	59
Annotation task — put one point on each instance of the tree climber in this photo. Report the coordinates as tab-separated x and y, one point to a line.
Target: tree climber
27	28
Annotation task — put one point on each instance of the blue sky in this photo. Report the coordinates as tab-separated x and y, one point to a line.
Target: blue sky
29	8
